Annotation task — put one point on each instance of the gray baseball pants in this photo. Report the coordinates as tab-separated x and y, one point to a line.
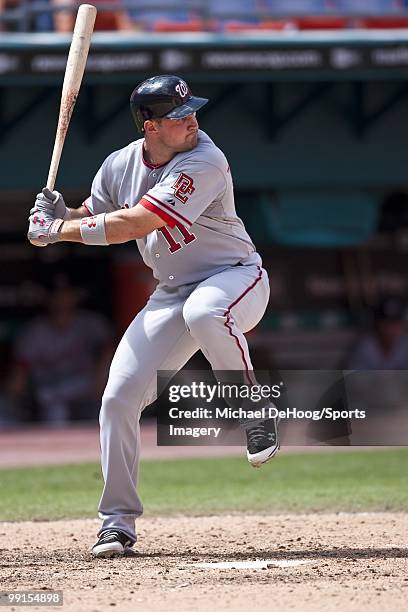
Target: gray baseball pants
176	322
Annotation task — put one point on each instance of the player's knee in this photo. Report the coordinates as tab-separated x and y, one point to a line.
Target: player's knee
200	320
114	408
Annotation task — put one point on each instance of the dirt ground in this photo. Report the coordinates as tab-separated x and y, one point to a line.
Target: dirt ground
353	561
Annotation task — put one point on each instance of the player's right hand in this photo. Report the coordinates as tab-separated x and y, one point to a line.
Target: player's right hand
52	203
43	229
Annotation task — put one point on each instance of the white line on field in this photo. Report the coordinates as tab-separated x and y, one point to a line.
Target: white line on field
258	564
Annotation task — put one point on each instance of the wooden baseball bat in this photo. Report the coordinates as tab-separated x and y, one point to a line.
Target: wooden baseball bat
74	71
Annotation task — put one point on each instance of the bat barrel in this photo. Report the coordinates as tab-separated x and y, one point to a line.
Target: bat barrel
77	56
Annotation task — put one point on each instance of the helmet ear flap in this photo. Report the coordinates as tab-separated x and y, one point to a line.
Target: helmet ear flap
138	118
140	115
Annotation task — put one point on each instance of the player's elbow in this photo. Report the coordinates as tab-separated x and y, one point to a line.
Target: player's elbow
139	233
143	224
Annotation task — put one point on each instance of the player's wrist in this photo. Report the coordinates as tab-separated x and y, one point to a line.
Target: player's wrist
55	231
93	230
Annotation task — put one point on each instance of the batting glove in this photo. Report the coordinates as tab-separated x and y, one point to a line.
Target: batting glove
52	203
43	229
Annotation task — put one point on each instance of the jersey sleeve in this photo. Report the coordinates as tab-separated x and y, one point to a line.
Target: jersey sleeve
185	193
102	199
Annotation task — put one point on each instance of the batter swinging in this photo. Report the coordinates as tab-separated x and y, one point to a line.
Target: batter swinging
172	191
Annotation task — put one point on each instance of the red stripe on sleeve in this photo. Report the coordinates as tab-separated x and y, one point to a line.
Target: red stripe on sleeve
157	211
177	214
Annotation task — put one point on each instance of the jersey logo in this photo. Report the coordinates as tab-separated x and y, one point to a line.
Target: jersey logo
183	187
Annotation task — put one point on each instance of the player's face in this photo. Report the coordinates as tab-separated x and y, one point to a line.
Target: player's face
179	134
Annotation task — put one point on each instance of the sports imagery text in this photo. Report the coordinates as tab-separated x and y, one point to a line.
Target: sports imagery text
246	404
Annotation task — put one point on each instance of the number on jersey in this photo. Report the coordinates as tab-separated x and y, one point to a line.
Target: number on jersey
172	242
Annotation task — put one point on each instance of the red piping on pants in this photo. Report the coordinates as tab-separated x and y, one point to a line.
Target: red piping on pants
227	322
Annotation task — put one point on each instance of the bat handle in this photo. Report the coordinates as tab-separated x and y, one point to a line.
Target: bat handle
52	175
67	106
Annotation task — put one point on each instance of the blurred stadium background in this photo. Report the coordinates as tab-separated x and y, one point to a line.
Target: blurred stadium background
308	102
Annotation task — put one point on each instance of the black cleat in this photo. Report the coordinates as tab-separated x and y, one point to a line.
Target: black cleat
262	442
111	543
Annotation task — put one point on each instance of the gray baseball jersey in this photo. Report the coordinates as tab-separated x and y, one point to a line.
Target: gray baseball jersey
193	193
204	300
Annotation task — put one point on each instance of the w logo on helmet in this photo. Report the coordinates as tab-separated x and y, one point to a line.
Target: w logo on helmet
182	89
183	187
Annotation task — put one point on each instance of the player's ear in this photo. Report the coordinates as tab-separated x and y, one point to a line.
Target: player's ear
150	127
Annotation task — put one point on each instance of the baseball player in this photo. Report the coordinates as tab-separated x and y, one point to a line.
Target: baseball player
172	192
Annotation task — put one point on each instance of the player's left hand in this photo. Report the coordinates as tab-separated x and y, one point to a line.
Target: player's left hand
52	203
43	229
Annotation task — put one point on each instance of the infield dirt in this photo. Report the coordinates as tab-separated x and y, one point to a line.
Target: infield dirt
354	561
